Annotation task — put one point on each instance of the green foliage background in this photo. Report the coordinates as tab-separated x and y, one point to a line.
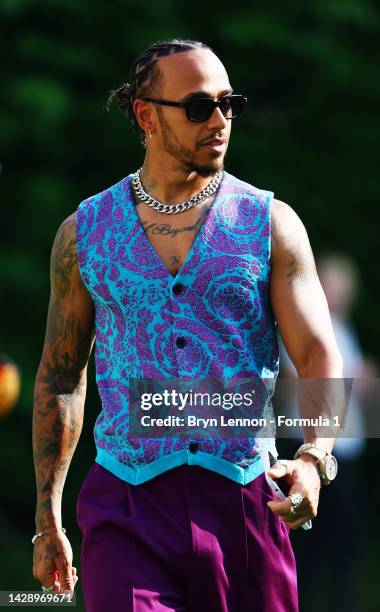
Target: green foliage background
310	134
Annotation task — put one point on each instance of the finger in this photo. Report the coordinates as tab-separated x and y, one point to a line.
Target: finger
298	523
301	512
54	584
296	517
66	584
48	579
282	508
279	469
65	576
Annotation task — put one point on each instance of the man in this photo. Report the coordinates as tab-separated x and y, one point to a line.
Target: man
176	524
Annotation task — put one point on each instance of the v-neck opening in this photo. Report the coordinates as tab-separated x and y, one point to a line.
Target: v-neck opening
193	244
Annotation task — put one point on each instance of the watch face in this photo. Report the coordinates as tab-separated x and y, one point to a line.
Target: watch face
331	468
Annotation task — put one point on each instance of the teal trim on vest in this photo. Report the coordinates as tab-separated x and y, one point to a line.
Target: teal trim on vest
205	460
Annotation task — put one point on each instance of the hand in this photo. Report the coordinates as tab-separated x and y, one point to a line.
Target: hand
52	562
303	477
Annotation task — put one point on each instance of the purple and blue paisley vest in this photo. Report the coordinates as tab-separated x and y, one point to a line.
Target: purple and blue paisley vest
213	319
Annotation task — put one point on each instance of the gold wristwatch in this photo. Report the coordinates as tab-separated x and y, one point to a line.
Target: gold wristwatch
327	463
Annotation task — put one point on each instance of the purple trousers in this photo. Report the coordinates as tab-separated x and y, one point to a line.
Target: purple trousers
188	540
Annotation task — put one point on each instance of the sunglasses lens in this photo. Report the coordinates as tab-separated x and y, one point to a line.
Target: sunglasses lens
200	110
226	107
237	104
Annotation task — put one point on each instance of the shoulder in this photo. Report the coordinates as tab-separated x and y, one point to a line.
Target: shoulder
102	197
290	242
286	225
243	187
63	261
66	234
98	209
282	214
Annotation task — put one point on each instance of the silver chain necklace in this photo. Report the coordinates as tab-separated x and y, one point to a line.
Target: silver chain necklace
208	191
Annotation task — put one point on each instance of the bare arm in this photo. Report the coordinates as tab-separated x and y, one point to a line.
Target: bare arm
298	300
299	303
303	318
60	385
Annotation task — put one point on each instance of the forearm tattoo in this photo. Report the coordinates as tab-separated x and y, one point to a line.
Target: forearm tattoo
60	386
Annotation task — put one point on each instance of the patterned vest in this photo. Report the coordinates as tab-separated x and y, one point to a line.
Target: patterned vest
212	320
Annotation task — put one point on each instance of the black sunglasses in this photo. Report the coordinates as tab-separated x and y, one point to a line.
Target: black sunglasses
201	109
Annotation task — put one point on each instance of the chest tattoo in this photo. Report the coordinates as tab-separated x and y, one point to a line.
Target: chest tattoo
165	229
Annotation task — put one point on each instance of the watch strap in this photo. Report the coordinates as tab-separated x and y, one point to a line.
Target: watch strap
310	449
320	455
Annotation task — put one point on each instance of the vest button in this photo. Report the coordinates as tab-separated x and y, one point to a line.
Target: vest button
180	342
178	288
193	447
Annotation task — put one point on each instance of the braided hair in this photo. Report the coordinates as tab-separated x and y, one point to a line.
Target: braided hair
145	77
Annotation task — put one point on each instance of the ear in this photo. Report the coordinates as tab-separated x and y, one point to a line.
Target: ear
144	114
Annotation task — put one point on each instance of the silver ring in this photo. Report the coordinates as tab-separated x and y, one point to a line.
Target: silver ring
296	499
47	589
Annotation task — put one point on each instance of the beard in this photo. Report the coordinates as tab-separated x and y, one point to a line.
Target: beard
184	155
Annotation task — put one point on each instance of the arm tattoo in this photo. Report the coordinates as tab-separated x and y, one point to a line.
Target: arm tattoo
291	248
63	258
293	267
60	386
